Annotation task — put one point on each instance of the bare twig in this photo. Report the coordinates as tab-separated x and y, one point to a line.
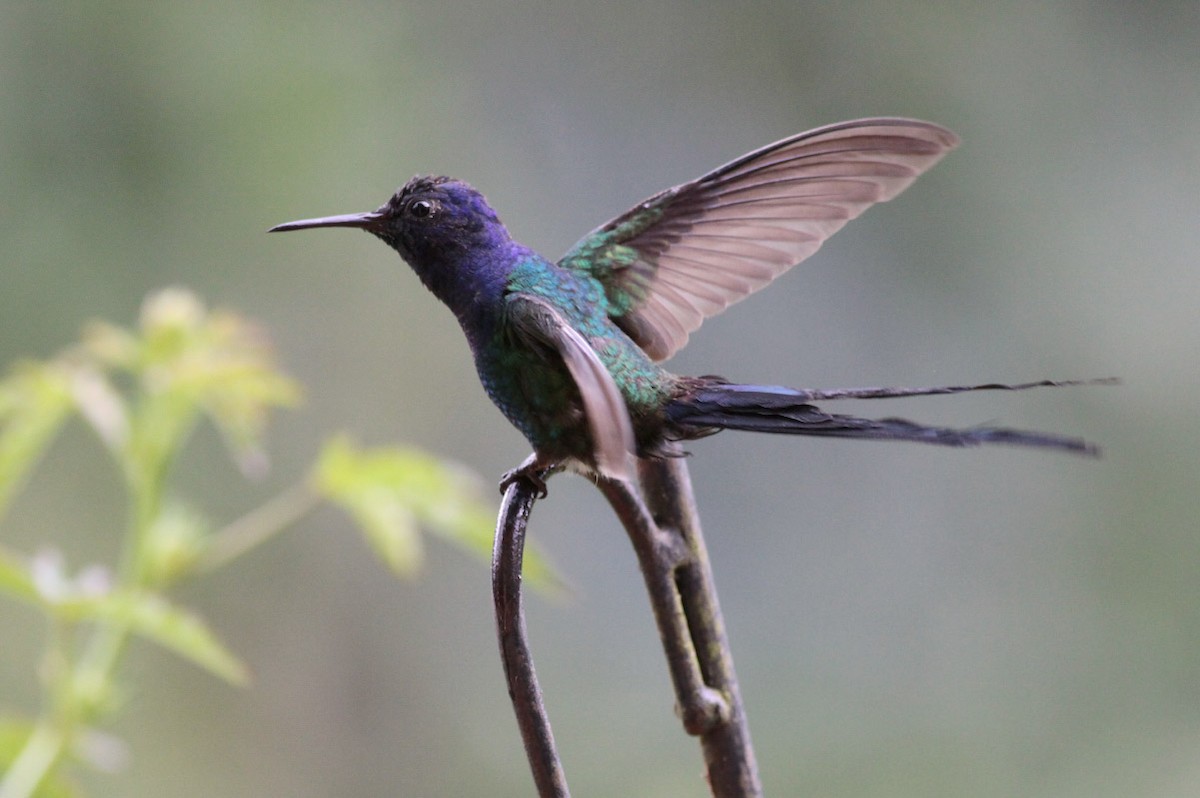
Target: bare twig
665	531
523	687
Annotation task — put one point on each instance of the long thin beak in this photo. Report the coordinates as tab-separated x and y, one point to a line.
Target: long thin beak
360	220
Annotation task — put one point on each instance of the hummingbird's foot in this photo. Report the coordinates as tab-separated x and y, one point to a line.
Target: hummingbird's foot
530	475
534	471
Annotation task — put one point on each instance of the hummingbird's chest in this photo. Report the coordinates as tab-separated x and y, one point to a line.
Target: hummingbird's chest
532	386
536	394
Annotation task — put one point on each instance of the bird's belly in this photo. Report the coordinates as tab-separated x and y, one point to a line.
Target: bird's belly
538	395
540	399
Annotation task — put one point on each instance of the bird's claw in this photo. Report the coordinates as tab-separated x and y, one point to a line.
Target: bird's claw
530	471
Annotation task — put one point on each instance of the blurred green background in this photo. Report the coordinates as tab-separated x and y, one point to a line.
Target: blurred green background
906	621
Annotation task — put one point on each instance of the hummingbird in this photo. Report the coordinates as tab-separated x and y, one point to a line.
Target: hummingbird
571	351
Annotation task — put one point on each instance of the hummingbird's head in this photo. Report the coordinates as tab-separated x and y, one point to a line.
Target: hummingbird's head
435	223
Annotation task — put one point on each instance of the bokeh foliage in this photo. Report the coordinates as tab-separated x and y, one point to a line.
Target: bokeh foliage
141	392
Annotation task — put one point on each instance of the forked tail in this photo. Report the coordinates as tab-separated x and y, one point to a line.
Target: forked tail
710	405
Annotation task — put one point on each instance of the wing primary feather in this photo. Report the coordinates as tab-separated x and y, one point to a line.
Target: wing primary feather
752	218
608	418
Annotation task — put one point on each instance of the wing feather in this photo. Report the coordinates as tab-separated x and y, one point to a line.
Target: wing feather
537	321
691	251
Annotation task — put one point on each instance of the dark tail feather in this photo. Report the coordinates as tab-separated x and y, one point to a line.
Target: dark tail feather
893	393
759	408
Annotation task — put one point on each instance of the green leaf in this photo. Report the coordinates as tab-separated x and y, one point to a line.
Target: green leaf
101	406
35	400
13	734
154	618
391	491
185	360
219	362
371	491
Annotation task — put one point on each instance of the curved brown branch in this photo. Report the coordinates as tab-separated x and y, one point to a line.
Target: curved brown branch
665	532
523	689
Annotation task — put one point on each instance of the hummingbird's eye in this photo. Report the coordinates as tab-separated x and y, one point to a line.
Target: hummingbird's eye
421	209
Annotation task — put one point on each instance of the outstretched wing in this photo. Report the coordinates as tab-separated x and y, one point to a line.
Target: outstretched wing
691	251
539	324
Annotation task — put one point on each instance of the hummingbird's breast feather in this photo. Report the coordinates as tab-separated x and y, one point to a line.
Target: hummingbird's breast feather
532	385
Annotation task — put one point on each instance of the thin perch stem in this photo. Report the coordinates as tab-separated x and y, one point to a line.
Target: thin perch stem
661	555
665	532
523	689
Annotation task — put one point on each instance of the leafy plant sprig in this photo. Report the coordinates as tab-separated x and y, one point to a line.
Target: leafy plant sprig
142	392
